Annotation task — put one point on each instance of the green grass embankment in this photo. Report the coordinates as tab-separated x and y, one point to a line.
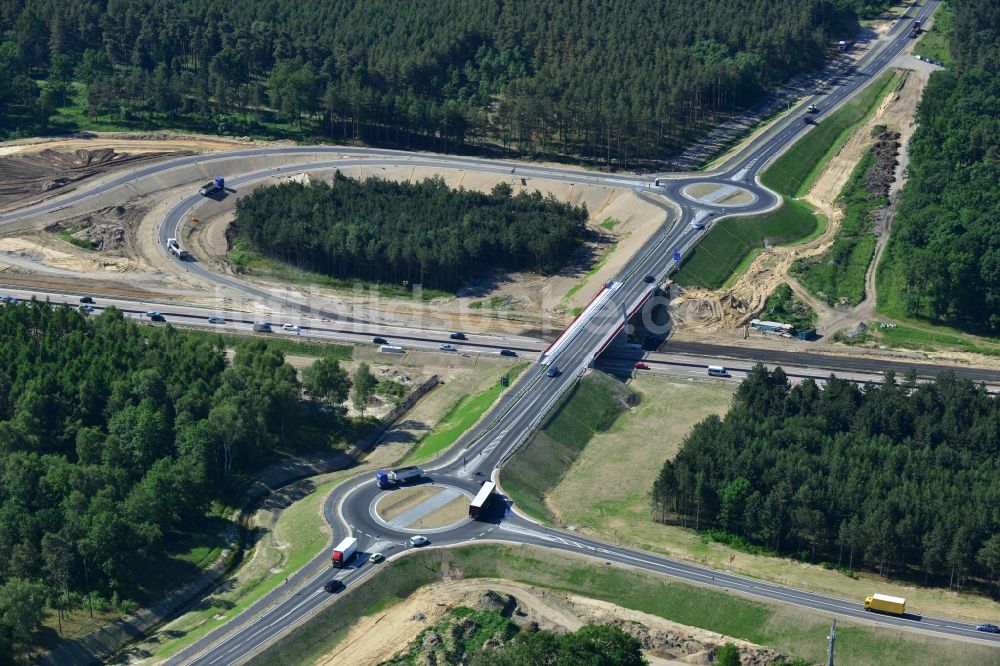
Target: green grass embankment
590	406
787	629
793	173
723	252
838	275
462	415
718	255
933	44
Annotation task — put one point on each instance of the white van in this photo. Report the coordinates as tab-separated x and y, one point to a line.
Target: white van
391	349
717	371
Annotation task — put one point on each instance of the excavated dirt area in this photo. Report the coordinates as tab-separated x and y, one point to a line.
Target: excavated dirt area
701	314
500	303
28	177
378	637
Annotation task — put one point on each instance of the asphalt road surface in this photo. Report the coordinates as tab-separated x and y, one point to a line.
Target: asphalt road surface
482	450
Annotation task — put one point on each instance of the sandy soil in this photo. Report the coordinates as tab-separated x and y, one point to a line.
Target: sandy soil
401	501
530	303
449	514
378	637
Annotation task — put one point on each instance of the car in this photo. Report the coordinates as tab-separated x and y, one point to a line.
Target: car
216	320
153	313
261	327
697	225
379	341
86	308
457	336
447	347
989	628
87	299
553	371
333	586
290	327
156	316
376	558
9	299
649	279
508	352
419	540
811	109
641	365
807	120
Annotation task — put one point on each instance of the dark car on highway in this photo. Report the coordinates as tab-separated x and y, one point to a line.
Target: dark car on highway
457	336
508	352
87	299
379	341
333	586
989	628
156	316
649	279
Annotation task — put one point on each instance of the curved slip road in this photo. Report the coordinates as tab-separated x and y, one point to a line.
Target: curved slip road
483	449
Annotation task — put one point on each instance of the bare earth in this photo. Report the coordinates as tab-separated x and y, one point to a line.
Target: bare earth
378	637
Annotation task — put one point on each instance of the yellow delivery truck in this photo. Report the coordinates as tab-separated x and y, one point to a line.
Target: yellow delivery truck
883	603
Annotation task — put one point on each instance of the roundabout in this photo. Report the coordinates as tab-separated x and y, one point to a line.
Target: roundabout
424	508
725	195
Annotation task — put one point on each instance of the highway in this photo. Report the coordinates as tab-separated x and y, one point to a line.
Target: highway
481	452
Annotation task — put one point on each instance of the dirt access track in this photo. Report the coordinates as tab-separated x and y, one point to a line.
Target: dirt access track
516	304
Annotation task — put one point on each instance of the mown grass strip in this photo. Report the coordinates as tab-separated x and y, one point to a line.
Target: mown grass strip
793	173
723	251
301	526
789	630
590	406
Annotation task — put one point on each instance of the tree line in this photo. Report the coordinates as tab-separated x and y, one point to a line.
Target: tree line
114	441
619	84
899	477
421	233
943	259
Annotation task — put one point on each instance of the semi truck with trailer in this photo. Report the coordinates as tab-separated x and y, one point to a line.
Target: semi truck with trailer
393	477
343	552
480	505
883	603
213	186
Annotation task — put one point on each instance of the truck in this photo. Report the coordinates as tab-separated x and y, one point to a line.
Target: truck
391	349
213	186
343	552
175	249
480	505
883	603
393	477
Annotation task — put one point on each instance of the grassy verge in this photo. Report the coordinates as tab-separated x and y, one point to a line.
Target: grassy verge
723	250
933	45
606	494
302	526
838	275
793	173
286	345
593	269
246	262
783	306
591	405
789	630
610	223
935	339
461	416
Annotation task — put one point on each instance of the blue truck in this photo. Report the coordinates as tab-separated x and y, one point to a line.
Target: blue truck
393	477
